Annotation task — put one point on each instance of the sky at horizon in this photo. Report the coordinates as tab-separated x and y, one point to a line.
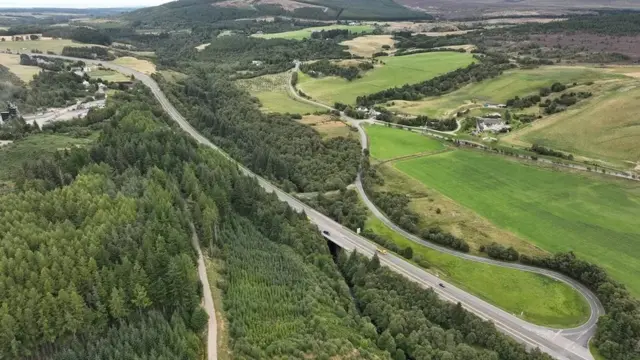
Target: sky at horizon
82	4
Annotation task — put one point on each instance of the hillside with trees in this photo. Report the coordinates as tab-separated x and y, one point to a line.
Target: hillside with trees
273	145
187	13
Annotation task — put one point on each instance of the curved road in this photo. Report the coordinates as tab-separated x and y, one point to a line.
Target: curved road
580	334
556	343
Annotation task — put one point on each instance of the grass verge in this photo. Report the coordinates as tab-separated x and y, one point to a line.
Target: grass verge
214	267
532	297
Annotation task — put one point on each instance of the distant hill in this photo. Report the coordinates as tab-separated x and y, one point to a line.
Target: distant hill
186	13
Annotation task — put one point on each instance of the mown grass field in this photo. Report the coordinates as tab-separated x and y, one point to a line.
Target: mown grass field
388	143
532	297
604	127
437	210
12	62
43	45
306	33
396	71
108	75
597	218
13	155
144	66
500	89
272	91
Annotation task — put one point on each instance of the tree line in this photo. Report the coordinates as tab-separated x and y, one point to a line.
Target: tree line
86	52
326	68
489	67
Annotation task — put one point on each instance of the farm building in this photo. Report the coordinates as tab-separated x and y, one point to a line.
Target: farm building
492	125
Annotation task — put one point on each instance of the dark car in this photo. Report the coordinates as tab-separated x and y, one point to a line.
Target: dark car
441	285
325	232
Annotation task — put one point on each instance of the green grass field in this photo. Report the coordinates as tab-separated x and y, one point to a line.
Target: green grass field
272	91
396	71
13	155
108	75
389	143
591	128
306	33
532	297
596	218
502	88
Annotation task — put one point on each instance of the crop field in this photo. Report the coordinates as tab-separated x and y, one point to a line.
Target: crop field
502	88
55	45
596	218
532	297
389	143
306	33
12	62
591	128
396	71
272	91
143	66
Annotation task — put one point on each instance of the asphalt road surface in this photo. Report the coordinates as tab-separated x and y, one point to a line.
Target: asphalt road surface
557	343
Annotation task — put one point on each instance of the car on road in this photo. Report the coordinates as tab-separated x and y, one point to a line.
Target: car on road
381	251
441	285
326	232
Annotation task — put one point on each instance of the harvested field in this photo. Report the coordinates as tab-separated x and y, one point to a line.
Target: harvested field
142	66
327	126
25	73
368	45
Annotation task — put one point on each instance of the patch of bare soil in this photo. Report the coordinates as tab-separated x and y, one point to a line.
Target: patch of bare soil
326	125
592	43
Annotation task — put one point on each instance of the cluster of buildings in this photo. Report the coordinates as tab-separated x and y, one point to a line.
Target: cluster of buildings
492	122
11	111
371	113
